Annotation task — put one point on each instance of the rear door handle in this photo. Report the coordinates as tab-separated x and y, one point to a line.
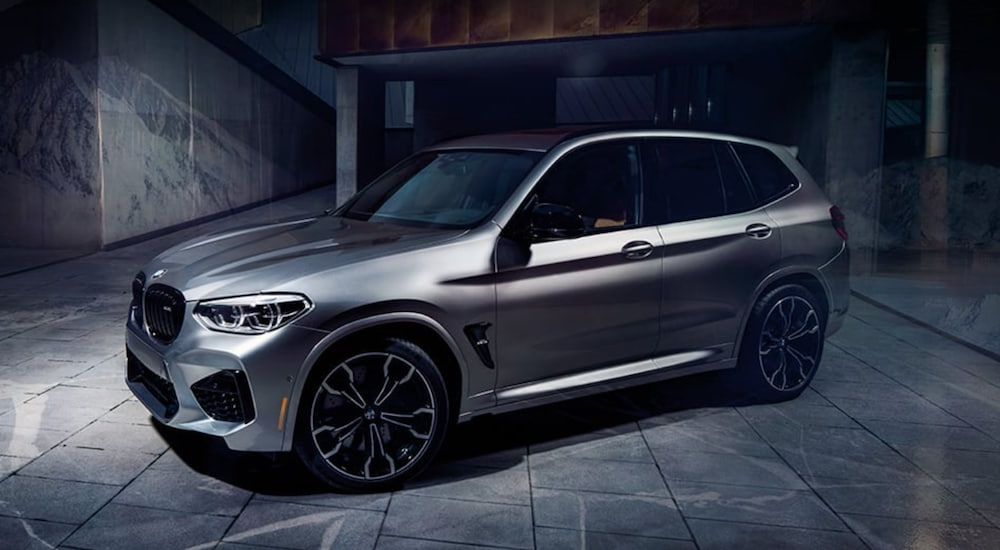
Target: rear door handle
758	231
637	250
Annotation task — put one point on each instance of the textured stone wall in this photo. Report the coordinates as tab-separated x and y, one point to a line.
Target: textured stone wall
116	121
187	131
49	153
973	205
50	192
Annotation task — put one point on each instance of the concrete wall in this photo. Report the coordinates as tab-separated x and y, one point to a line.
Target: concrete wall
50	192
117	121
188	132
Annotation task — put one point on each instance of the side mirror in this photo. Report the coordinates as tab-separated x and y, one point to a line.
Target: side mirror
550	222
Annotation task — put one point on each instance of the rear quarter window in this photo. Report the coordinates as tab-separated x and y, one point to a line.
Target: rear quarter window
769	177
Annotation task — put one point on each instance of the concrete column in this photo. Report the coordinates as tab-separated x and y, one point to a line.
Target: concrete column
854	134
360	129
933	226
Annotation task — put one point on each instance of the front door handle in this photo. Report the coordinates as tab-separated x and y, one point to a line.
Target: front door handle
637	250
758	231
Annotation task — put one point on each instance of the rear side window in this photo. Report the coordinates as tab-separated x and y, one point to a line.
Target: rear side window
738	197
686	180
693	179
769	177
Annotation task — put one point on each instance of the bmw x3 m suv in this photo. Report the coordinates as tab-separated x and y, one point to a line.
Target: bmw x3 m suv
489	274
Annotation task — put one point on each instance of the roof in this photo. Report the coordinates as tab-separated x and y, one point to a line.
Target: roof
547	138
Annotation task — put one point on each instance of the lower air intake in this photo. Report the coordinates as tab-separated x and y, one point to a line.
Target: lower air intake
225	396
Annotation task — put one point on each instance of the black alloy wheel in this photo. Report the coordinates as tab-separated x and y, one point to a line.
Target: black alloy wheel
782	346
374	418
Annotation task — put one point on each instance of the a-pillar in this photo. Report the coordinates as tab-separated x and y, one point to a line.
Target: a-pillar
360	129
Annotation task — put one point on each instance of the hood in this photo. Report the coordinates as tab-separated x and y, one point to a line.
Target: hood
269	257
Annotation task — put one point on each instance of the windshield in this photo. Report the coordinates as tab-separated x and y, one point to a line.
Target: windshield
443	189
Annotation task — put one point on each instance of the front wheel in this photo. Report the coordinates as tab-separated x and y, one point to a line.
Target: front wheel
782	346
373	418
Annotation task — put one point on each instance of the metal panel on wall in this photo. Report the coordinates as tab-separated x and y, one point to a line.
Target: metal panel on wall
604	99
287	37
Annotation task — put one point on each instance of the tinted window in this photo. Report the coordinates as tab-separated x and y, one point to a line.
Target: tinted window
769	177
600	182
738	197
685	182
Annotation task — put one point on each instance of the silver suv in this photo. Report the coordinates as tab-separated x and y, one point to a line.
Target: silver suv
490	274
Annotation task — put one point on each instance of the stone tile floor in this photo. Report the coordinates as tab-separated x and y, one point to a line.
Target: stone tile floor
896	445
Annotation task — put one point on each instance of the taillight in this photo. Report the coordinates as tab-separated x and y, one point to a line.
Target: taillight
838	222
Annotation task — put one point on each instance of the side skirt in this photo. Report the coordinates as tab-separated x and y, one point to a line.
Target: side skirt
605	379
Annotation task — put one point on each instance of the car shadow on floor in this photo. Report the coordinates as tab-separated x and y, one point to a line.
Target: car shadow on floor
602	412
493	437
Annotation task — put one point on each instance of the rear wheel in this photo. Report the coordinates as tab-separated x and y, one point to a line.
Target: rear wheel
373	418
782	345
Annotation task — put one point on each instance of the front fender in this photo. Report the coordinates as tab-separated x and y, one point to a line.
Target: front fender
355	326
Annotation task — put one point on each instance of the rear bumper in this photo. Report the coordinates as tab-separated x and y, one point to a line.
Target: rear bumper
837	274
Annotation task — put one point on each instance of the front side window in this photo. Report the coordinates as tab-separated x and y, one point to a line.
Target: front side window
443	189
600	182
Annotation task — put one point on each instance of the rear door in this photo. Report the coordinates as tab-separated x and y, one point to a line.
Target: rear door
802	212
717	245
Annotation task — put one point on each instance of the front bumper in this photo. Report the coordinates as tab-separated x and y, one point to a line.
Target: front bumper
237	387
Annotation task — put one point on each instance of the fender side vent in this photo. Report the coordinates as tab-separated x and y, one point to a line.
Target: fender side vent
477	337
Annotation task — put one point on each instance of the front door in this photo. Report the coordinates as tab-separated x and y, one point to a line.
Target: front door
571	305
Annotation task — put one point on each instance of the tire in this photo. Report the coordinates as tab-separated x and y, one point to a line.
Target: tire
372	418
782	345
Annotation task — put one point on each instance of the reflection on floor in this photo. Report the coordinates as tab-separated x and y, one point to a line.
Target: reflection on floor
20	260
957	292
895	445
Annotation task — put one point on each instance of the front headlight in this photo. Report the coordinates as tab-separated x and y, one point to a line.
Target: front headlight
254	314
